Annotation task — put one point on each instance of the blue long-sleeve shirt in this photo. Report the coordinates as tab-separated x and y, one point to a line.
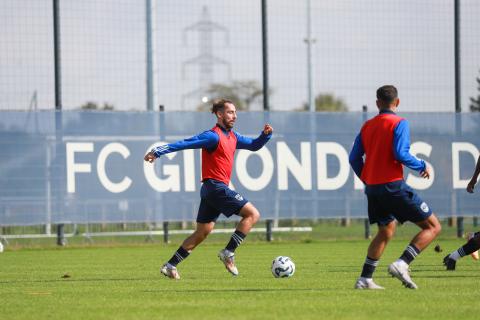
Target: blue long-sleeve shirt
401	149
209	140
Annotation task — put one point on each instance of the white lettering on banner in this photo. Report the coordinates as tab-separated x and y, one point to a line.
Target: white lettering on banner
420	183
287	162
458	147
189	170
172	182
166	177
254	184
357	183
72	167
102	175
335	149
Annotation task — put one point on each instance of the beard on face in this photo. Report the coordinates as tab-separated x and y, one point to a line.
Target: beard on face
228	124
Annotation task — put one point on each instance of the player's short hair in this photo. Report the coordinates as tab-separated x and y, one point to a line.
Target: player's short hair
387	94
219	105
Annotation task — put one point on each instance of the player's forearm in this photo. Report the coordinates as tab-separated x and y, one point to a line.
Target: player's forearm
401	148
253	144
357	166
196	142
411	162
356	156
402	154
260	141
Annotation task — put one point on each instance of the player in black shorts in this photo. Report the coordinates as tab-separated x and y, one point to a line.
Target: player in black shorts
473	244
218	147
385	142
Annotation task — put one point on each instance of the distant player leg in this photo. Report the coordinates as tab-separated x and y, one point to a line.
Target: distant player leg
470	247
250	216
474	254
375	251
200	234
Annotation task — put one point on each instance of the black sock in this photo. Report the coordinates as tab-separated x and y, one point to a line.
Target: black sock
235	241
410	253
369	267
179	255
470	247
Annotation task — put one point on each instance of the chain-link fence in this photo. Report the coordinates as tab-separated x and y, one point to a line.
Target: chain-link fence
128	55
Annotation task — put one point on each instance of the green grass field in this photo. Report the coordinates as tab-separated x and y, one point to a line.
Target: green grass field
123	282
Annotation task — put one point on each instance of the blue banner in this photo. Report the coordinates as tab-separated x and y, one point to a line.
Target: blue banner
77	167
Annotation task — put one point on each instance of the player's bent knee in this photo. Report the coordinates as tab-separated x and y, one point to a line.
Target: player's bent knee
386	234
250	212
255	216
436	226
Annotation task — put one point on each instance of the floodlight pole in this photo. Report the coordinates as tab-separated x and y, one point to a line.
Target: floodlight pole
150	51
266	105
56	55
58	114
458	91
458	104
309	41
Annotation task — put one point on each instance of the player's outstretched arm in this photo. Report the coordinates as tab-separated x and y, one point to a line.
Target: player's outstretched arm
257	143
207	139
401	150
473	181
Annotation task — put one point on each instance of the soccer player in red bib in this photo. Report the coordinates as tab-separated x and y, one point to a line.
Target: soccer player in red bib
385	142
218	147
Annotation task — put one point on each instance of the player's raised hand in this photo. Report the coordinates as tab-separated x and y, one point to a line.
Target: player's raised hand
267	129
425	174
471	185
150	157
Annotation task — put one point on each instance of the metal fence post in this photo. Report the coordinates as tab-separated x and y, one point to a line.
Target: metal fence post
61	235
367	229
475	221
269	230
460	228
165	232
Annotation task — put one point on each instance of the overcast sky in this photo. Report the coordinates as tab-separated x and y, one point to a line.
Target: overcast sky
360	45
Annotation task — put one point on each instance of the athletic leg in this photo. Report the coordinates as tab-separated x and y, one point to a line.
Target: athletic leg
201	232
472	245
381	239
375	251
430	228
250	216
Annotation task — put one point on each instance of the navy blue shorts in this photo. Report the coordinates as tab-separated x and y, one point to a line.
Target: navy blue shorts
218	198
396	201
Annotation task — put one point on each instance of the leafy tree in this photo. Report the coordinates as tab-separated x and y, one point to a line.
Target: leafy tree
94	106
242	93
475	103
327	102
